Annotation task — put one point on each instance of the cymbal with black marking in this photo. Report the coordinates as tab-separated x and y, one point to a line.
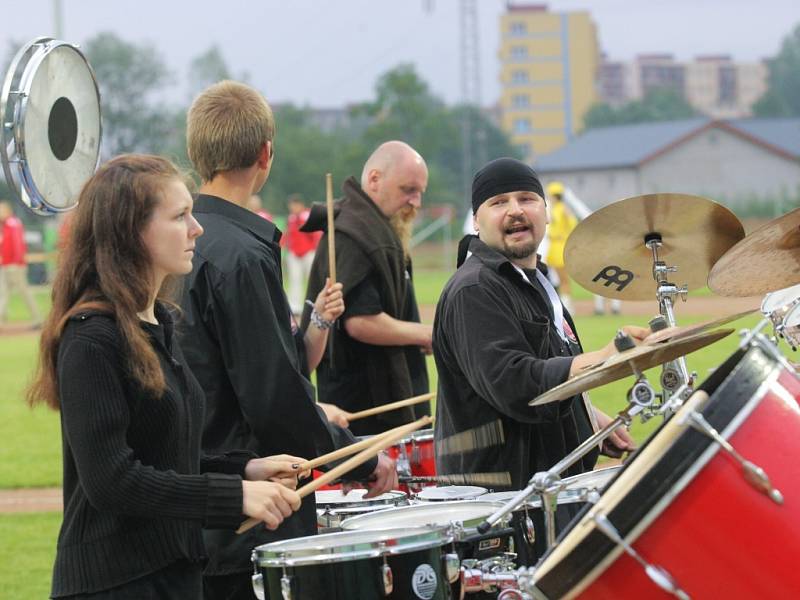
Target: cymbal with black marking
606	253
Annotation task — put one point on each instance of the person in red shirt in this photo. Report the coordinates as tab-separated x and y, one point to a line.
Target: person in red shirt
254	204
300	248
13	268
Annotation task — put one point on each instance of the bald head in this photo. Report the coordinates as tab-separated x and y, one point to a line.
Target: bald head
395	176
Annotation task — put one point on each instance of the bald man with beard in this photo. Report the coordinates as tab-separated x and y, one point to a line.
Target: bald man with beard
379	345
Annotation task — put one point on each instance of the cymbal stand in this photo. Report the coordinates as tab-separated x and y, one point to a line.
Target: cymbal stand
674	374
547	484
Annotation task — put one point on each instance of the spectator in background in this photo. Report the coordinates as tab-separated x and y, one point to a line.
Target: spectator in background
255	205
561	224
13	268
300	249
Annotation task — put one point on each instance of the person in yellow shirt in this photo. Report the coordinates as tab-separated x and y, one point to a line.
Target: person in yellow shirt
562	222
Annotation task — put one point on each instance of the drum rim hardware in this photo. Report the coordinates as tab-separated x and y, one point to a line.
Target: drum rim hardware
278	554
16	156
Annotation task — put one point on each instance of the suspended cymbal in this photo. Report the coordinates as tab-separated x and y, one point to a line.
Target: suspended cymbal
766	260
606	252
677	333
622	365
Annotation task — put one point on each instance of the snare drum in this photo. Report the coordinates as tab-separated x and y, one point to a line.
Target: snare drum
449	493
333	506
414	454
685	508
790	328
777	305
398	564
528	520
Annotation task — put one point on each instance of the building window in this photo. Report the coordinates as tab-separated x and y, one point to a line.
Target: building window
521	101
519	77
518	28
522	125
519	51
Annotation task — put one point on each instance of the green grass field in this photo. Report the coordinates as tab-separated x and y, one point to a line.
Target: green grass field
30	453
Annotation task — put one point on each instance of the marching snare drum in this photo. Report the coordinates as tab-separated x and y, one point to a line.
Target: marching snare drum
398	564
778	304
790	327
528	520
709	507
414	455
333	506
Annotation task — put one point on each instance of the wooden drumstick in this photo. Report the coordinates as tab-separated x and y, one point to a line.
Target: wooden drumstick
331	242
351	463
342	452
387	407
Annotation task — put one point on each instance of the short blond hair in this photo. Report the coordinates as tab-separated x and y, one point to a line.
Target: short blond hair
226	128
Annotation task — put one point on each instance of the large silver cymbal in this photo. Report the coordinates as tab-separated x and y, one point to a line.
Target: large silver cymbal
606	252
623	364
766	260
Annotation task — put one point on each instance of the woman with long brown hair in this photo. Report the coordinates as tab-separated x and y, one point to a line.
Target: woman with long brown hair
136	489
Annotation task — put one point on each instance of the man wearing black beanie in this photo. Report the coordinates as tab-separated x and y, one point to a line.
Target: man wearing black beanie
502	337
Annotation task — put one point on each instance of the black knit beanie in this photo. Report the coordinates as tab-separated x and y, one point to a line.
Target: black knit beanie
501	176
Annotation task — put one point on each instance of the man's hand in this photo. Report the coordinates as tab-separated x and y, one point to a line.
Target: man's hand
383	479
335	414
619	442
281	468
330	301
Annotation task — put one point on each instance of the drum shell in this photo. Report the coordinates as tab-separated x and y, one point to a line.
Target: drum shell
343	573
715	533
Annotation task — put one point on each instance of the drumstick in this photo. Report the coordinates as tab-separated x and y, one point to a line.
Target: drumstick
351	463
387	407
499	478
342	452
331	242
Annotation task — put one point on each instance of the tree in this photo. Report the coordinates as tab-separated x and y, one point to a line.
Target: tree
658	105
782	98
207	69
130	76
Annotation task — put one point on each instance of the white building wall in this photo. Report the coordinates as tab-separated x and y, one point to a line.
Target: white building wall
599	187
724	167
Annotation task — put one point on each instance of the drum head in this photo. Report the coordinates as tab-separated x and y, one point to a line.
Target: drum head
469	513
53	144
450	492
780	300
349	545
335	498
593	480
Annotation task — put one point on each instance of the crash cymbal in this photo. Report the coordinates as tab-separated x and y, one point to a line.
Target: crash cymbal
677	333
606	252
622	365
766	260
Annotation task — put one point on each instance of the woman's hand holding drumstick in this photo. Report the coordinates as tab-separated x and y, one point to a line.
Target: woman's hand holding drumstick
378	445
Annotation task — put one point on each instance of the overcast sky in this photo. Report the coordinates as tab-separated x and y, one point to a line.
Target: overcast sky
329	53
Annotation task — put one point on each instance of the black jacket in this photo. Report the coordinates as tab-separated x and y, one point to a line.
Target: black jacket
240	340
135	490
496	349
366	247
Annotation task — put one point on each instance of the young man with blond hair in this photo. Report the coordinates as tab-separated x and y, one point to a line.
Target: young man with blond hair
239	336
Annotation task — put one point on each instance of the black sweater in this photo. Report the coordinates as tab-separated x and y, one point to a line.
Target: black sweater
135	491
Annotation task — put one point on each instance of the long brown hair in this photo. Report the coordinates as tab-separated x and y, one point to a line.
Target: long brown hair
105	266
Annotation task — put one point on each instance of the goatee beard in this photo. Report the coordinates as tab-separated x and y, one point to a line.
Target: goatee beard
402	223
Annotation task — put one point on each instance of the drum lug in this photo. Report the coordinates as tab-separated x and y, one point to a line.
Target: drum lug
257	578
452	564
414	453
530	530
657	575
286	583
753	474
387	578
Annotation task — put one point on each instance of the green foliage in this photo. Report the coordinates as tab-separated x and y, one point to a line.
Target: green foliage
130	76
657	105
782	98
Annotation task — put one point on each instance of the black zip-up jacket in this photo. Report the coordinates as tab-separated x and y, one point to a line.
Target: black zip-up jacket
496	349
136	490
241	342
